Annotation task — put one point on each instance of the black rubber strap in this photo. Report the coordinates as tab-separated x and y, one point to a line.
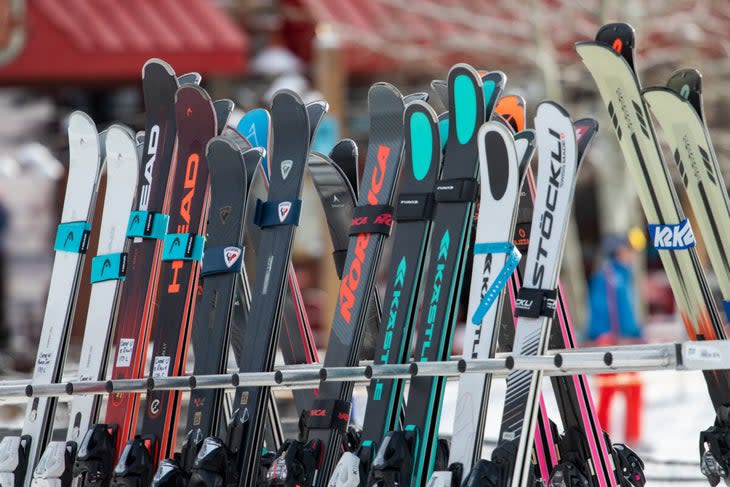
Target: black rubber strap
534	303
372	219
457	190
414	207
330	414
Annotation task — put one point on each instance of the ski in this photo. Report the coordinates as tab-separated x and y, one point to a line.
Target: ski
370	225
108	269
277	217
148	225
495	258
217	296
413	211
183	245
471	101
19	454
610	60
678	109
535	303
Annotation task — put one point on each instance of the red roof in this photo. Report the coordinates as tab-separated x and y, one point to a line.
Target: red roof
75	40
380	35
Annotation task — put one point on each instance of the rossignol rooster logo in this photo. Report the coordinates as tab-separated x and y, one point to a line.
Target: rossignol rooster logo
231	255
351	280
283	210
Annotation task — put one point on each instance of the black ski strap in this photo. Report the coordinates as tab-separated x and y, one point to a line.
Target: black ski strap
534	303
371	219
222	260
414	207
273	213
459	190
329	414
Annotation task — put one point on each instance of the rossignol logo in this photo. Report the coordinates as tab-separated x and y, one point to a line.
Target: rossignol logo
433	304
152	140
672	236
400	275
486	271
351	280
231	255
283	210
547	219
191	173
154	409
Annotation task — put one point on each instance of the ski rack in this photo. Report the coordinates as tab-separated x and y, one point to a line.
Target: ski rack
683	356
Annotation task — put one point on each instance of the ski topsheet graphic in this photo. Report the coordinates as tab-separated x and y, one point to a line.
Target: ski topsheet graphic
148	226
277	217
494	258
471	98
181	256
369	227
413	211
678	109
19	455
535	303
108	270
610	60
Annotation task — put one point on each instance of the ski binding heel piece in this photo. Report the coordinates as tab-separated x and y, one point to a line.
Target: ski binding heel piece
95	458
13	460
629	466
54	467
134	468
393	465
347	471
169	474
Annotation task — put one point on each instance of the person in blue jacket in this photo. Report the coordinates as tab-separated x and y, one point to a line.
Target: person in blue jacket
613	321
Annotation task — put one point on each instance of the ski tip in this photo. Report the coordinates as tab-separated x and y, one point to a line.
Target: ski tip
383	88
441	88
687	84
220	142
497	77
423	141
157	63
546	106
320	104
286	96
192	89
417	96
513	109
119	140
81	123
192	78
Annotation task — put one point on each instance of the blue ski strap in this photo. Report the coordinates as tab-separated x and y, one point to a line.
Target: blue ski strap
273	213
72	237
510	264
109	267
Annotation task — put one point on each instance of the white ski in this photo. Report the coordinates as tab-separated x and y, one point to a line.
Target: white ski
107	274
18	456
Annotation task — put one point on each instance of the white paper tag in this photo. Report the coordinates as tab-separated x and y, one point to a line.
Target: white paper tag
161	367
124	355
